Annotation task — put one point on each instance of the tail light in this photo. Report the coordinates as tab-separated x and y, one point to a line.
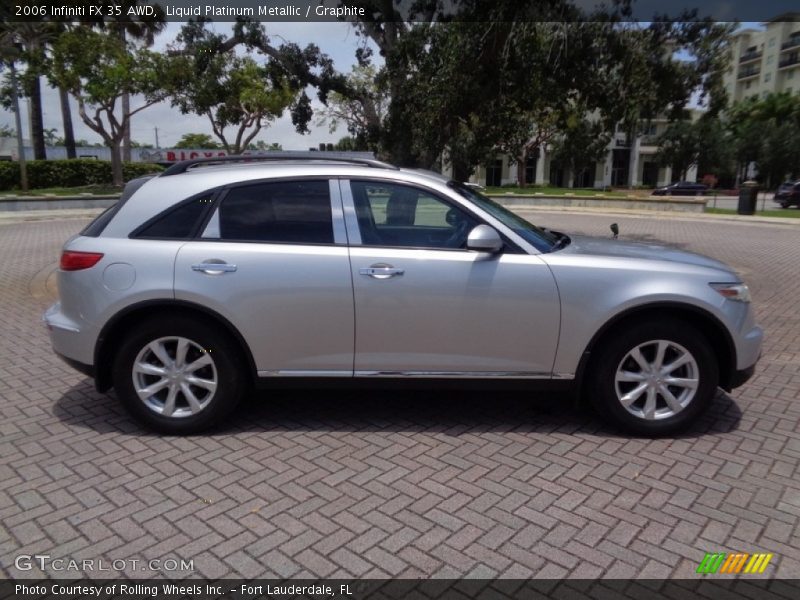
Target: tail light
76	261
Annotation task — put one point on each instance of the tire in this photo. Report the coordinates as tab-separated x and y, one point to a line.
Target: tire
617	356
215	385
785	205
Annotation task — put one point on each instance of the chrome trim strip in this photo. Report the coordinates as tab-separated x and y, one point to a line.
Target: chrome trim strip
339	231
305	373
457	374
350	217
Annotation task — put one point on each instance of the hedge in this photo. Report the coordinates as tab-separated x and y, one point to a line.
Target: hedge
69	173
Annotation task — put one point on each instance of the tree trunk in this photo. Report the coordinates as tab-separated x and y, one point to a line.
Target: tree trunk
66	117
461	171
116	163
37	125
23	173
126	139
126	110
522	159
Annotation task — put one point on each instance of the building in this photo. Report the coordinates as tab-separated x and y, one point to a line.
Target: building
765	61
628	163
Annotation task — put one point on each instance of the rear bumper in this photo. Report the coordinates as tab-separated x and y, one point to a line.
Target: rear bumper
78	366
742	376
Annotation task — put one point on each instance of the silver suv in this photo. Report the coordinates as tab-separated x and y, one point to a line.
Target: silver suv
213	277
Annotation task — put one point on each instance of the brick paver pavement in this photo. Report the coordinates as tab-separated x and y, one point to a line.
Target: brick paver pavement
376	484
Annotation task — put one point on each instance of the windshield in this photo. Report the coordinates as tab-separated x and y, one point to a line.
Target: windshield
541	239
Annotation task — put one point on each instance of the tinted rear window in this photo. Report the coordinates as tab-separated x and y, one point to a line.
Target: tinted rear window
177	223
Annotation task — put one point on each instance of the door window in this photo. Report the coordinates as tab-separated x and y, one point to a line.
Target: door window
398	215
296	212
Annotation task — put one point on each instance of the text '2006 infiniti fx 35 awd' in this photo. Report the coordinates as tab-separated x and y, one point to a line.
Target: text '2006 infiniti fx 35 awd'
212	277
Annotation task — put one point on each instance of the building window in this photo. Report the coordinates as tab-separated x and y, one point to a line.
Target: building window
747	85
790	74
771	42
769	60
767	77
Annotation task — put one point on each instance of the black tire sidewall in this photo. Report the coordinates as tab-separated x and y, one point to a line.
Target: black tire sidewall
223	350
614	348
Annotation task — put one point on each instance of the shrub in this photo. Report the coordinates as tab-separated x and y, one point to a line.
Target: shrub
69	173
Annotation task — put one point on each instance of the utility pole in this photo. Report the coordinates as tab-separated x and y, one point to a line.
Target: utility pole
157	146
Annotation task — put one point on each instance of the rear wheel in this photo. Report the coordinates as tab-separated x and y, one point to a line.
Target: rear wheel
785	205
654	378
178	375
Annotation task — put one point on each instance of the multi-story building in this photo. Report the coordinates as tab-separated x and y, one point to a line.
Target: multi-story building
765	61
627	163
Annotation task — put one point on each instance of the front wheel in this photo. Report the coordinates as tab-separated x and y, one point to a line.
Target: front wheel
654	378
178	375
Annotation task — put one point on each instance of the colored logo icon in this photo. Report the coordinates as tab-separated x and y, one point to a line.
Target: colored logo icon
734	563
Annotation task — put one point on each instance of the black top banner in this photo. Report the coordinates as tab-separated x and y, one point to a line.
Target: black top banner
404	10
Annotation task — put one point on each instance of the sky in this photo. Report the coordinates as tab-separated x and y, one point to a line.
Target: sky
338	40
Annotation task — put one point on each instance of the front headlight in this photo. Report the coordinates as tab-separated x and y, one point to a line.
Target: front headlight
738	292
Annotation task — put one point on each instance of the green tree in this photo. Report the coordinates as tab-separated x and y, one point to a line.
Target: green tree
98	68
762	131
582	143
262	146
233	91
679	147
452	84
362	110
197	140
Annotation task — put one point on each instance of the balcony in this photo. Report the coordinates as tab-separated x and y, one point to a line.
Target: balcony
649	140
747	73
792	42
749	56
788	62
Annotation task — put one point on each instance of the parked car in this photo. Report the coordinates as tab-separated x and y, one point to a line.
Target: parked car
209	278
681	188
788	194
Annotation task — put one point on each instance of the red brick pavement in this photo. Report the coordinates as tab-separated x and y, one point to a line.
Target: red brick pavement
377	484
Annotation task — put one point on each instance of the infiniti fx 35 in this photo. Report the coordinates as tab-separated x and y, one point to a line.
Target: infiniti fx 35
215	276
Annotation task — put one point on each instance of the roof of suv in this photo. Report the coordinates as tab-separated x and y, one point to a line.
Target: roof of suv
158	193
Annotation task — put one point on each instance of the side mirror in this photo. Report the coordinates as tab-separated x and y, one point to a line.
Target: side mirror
484	239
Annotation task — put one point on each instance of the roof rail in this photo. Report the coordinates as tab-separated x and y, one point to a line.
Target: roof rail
185	165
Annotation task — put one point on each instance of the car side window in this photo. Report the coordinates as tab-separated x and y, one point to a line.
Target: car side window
283	212
391	214
178	222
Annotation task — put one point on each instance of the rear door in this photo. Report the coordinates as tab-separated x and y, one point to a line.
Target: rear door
273	260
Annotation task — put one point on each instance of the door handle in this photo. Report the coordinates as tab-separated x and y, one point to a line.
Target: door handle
214	268
381	271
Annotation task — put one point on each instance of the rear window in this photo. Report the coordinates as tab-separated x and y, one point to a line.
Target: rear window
180	222
96	227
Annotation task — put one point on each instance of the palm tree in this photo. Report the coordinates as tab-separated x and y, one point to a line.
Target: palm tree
31	39
9	53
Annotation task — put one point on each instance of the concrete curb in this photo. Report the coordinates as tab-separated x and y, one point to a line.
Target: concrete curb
31	203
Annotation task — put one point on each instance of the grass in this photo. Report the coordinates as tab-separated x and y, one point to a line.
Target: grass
100	190
557	191
787	213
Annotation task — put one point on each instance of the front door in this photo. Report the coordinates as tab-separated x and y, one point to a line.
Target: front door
425	306
272	262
